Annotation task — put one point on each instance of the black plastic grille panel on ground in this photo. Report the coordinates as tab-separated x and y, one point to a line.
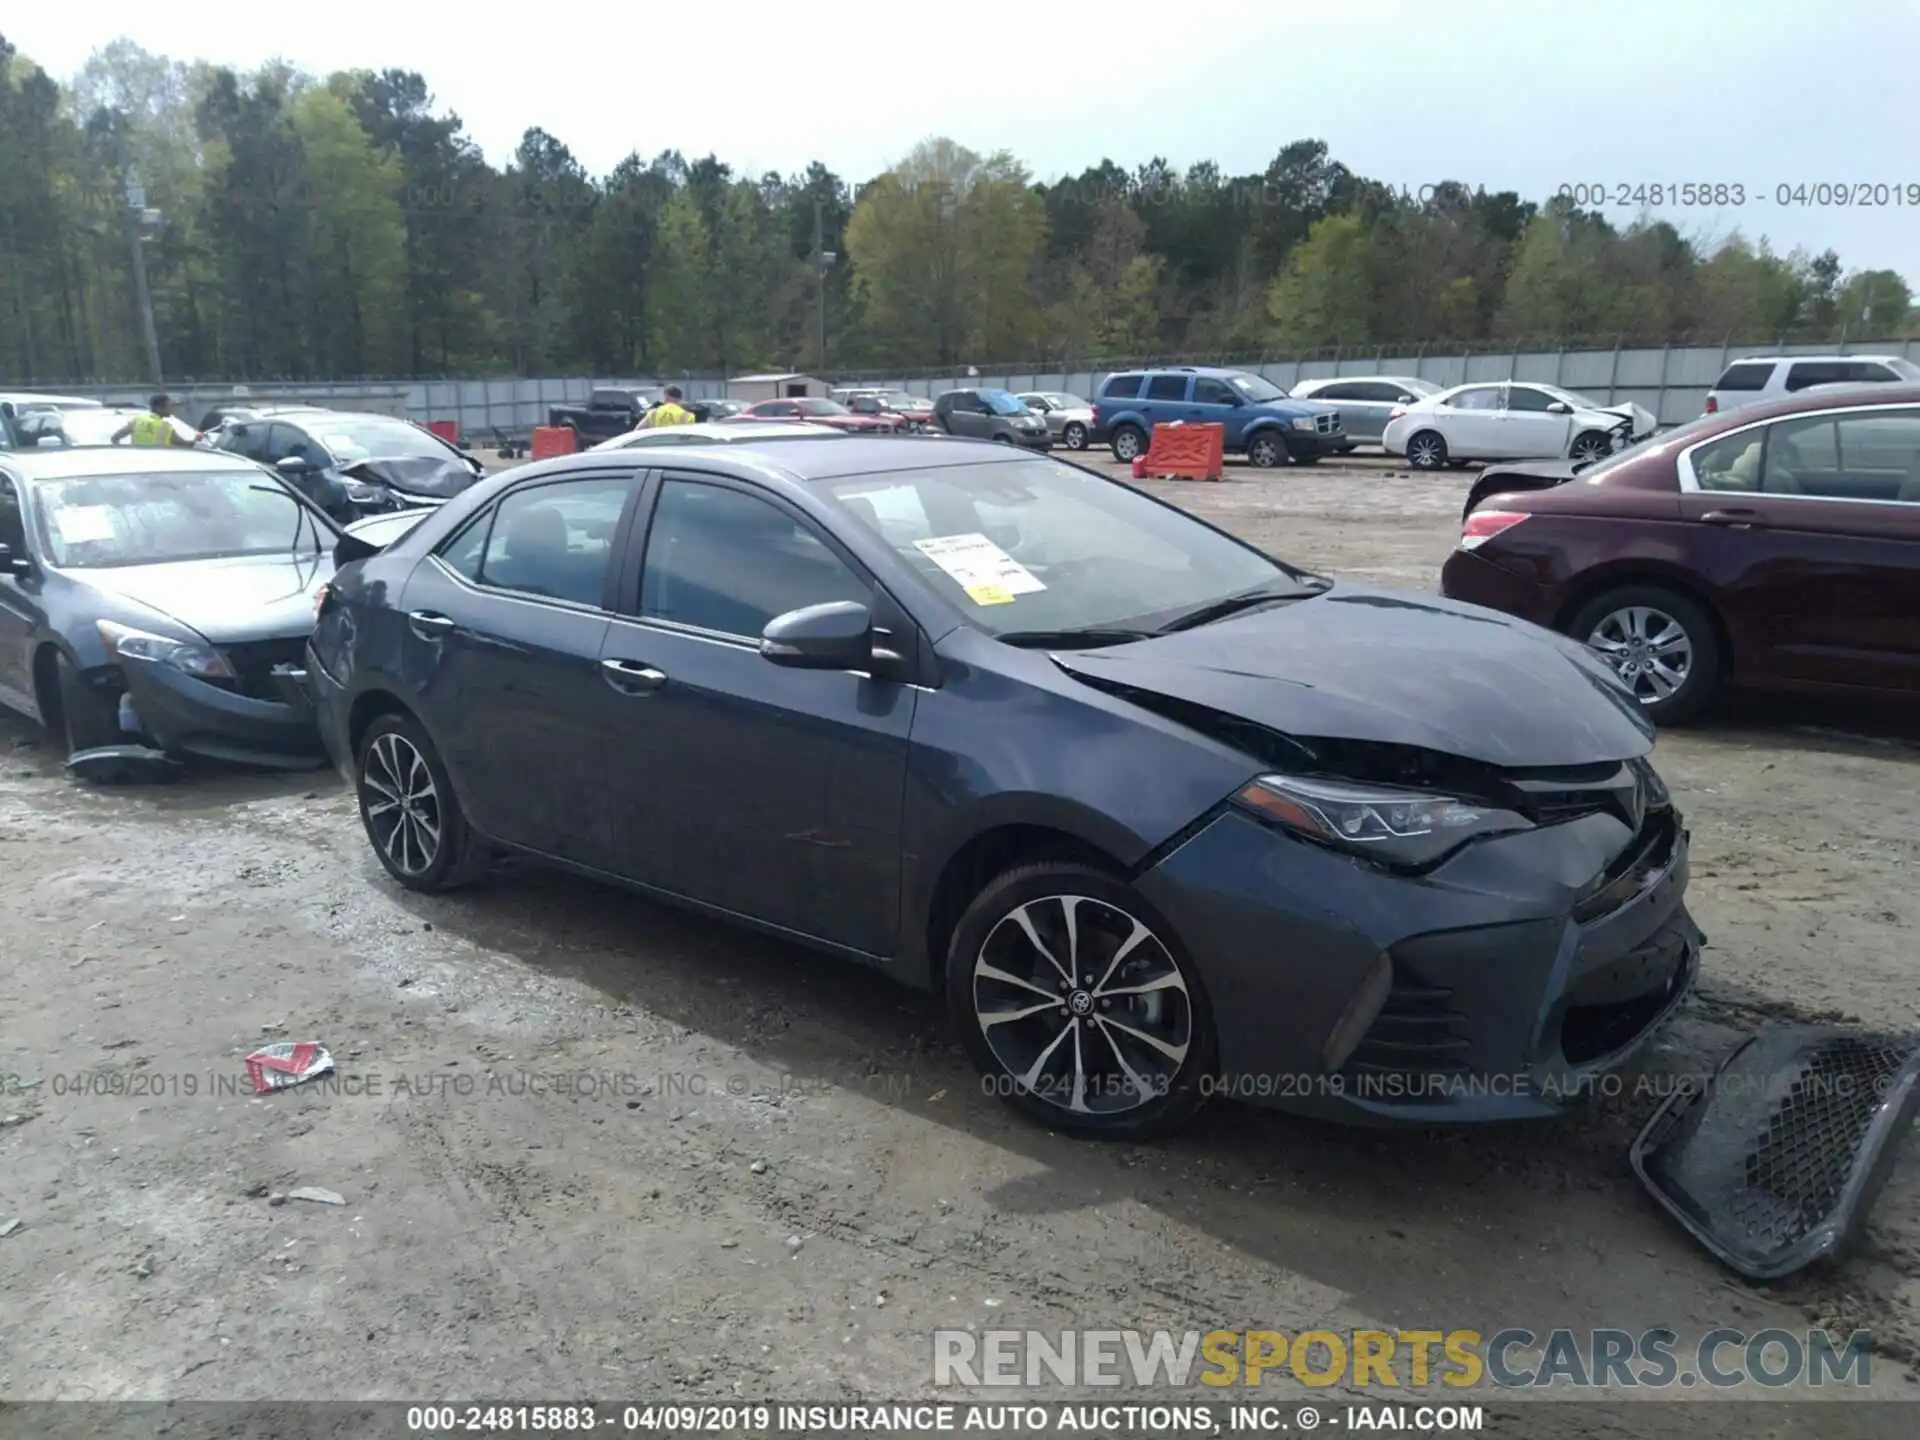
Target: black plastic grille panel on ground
1776	1162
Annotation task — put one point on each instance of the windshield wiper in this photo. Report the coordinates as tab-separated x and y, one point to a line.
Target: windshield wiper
1070	639
1245	600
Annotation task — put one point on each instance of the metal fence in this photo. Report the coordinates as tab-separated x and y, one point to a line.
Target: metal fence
1672	381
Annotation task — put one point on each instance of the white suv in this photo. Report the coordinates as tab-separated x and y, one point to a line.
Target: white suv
1760	378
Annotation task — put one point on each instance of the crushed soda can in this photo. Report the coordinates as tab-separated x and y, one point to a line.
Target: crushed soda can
275	1067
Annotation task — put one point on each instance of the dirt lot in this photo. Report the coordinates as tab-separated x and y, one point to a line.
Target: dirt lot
777	1177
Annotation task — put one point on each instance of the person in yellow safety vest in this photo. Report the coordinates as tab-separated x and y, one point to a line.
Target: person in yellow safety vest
668	412
153	428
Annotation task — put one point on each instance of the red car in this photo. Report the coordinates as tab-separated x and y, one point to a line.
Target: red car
824	412
1774	547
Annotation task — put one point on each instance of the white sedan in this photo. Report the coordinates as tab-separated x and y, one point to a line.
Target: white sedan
1510	420
725	431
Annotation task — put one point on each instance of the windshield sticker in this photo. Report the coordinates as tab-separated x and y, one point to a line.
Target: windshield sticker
987	573
81	524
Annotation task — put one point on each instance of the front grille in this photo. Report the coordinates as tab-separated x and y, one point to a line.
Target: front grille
1796	1171
1327	424
1417	1032
253	664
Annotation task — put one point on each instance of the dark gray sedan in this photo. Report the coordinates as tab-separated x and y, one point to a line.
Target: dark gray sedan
1159	815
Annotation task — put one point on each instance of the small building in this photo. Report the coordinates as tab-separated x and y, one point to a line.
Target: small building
753	388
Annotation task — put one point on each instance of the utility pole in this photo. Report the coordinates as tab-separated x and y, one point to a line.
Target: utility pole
138	218
823	258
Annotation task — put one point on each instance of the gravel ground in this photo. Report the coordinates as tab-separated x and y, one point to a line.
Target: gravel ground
779	1175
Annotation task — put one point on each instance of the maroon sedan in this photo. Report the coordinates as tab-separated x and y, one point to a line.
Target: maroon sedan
1773	547
824	412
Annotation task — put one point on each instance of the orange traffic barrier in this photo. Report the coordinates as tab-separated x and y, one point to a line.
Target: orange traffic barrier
447	430
1186	452
551	440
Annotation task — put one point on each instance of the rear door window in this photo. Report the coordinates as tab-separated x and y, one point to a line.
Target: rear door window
555	540
1167	387
1481	397
1803	373
1748	375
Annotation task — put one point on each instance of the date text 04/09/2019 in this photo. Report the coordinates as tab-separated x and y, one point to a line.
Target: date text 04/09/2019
1734	194
1059	1417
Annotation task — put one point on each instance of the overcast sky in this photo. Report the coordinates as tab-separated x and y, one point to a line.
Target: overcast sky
1501	93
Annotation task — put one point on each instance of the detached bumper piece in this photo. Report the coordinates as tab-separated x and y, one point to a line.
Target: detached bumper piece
124	765
1775	1162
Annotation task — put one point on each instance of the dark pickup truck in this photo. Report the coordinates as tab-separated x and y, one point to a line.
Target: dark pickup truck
606	414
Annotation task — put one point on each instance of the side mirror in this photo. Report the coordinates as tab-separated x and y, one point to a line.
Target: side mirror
292	465
12	564
835	636
1559	407
50	442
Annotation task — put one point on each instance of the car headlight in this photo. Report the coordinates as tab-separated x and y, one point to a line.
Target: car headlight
1304	422
1408	828
359	490
187	655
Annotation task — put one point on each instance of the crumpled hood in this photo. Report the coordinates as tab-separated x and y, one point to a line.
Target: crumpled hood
229	601
1359	663
1642	418
415	475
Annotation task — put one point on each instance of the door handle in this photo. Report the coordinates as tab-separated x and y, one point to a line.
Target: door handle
631	677
1737	519
429	626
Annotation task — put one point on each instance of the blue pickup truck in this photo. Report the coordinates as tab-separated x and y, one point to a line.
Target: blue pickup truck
1262	421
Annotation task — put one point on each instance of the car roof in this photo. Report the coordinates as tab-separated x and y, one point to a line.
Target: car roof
1838	396
733	433
82	461
18	398
801	458
1775	359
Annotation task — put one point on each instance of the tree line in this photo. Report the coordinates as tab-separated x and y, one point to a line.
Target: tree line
299	227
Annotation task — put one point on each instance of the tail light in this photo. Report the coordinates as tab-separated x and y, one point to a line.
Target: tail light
1096	414
1399	412
1483	525
1713	405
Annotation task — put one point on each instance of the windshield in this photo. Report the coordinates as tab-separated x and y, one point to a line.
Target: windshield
352	438
89	427
1067	402
1419	389
901	399
1256	389
96	522
1037	545
1905	368
1003	402
822	407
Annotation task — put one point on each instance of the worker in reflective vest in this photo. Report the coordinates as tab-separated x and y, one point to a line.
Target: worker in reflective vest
668	412
153	428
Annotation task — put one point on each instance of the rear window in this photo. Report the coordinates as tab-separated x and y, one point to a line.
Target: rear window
1122	387
1745	377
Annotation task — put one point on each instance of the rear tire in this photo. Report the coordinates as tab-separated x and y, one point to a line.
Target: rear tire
1427	451
1266	450
88	719
1074	437
1129	443
1645	633
412	817
1060	1060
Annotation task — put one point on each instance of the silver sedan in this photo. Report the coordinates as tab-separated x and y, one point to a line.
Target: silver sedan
1069	418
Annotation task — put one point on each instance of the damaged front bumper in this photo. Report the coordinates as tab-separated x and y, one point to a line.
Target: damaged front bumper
1502	985
182	715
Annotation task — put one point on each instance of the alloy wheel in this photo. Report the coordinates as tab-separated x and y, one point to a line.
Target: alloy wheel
1075	436
1083	1005
1589	447
1126	444
1650	650
1264	452
401	804
1427	452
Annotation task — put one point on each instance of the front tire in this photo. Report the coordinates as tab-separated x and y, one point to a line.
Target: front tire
412	817
1074	437
1266	450
1660	643
88	719
1129	443
1078	1005
1427	451
1590	445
